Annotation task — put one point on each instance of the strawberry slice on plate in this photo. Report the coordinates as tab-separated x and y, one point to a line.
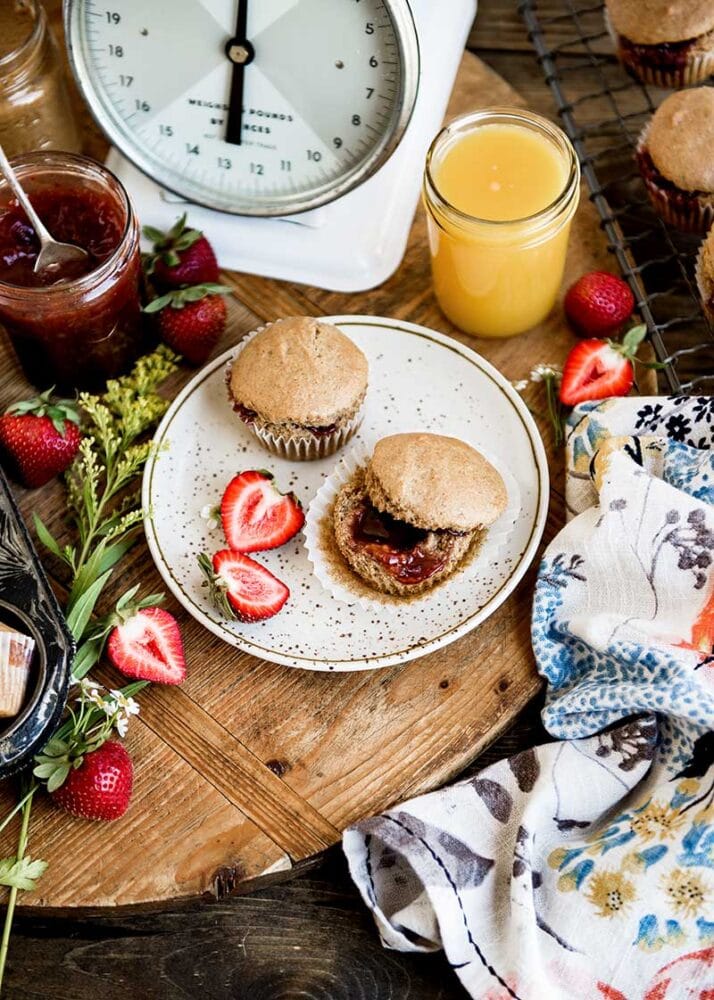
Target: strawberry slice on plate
596	369
241	588
148	645
256	516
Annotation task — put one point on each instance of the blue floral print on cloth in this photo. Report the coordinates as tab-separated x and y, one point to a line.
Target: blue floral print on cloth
585	868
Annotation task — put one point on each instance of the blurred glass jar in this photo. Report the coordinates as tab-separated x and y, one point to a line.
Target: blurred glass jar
35	112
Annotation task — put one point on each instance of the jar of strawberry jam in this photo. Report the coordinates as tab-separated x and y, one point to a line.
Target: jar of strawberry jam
76	327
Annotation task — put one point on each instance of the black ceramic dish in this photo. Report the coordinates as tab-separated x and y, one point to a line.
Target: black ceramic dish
27	601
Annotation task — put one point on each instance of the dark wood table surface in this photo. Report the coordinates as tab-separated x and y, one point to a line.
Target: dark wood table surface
306	937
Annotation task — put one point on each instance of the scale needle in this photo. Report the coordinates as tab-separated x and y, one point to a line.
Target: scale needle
240	52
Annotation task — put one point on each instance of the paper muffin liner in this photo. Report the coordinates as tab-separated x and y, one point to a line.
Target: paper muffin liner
289	445
687	214
705	284
346	586
697	69
15	658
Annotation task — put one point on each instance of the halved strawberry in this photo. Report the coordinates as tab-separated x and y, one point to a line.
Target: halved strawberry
595	369
241	588
256	516
148	645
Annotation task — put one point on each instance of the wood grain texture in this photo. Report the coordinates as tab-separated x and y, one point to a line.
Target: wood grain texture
311	937
251	764
308	939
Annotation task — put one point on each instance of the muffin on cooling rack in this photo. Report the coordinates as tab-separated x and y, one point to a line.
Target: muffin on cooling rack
669	43
299	385
675	155
416	511
705	274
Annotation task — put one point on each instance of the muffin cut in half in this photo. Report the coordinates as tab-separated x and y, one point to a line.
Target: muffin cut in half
705	274
668	43
414	514
299	385
675	156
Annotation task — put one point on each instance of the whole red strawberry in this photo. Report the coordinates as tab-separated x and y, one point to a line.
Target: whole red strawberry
39	438
191	320
100	788
182	256
598	304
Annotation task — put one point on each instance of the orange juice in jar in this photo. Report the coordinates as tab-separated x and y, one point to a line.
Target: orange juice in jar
500	187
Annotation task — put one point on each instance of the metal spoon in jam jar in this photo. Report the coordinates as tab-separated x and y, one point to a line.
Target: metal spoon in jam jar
53	255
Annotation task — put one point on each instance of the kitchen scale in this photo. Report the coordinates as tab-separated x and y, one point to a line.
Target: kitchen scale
293	132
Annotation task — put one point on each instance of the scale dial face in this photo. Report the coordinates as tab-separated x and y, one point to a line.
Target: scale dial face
258	107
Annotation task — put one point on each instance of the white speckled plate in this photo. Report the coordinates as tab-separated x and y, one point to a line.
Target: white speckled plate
419	380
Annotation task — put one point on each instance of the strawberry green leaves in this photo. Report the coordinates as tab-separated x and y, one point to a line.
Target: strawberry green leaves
22	874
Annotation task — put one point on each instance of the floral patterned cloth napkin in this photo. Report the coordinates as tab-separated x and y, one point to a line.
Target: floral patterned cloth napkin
585	868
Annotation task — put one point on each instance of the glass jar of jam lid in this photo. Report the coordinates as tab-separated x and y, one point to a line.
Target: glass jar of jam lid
79	326
34	102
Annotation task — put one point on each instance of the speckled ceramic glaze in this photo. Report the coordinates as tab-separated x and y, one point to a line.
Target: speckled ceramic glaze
419	380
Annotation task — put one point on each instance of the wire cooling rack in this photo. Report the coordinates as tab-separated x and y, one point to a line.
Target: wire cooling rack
603	110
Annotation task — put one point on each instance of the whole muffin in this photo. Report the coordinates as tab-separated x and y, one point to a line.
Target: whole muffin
675	156
299	385
705	274
669	43
411	517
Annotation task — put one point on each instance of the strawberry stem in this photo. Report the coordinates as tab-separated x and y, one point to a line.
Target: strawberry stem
26	806
555	408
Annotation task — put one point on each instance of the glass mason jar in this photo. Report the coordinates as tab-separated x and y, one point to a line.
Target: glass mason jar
35	111
78	331
499	278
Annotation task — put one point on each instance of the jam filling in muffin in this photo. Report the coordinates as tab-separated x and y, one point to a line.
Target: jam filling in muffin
250	416
650	172
416	512
409	554
664	56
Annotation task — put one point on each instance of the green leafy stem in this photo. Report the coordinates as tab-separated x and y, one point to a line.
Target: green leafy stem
104	508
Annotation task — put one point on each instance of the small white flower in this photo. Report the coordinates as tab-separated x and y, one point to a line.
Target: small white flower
120	709
90	691
124	704
209	513
132	707
520	385
542	371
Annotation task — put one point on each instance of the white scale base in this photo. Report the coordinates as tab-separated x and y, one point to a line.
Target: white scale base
358	241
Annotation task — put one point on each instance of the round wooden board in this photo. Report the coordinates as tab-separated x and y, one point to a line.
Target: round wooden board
251	766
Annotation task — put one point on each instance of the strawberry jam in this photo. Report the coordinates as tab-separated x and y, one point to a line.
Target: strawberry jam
397	546
87	220
80	324
666	56
679	197
249	416
246	415
320	432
